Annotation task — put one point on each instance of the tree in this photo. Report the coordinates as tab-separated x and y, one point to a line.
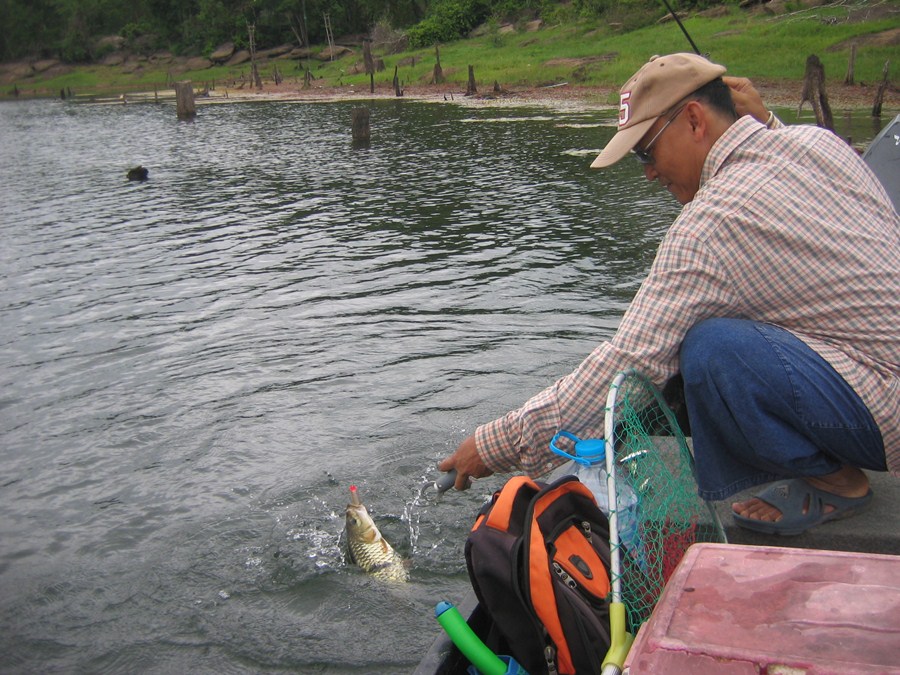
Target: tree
28	28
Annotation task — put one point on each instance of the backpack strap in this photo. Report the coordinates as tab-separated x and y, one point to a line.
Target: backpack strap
542	594
506	501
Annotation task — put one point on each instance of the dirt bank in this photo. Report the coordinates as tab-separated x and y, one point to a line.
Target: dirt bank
776	94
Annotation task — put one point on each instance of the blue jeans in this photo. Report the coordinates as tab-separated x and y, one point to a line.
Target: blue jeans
763	405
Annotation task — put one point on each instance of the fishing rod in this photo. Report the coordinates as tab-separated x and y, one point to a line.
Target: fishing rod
681	26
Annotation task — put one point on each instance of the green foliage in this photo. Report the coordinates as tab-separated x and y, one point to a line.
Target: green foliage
220	21
28	27
448	20
512	9
557	13
645	11
575	45
493	31
132	31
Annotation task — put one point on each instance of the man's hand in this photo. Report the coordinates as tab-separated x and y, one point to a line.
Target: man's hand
747	100
467	464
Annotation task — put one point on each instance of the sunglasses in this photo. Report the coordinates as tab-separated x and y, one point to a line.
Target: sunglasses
643	155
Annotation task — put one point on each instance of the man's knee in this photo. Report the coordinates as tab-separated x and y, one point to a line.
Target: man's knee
711	344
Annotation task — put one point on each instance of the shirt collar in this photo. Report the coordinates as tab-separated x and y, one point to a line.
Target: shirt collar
727	143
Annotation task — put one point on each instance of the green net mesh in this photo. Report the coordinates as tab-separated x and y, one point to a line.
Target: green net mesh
660	514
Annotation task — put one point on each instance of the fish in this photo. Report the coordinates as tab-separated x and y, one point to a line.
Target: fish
367	548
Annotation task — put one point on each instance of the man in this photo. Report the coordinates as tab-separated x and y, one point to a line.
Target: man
774	294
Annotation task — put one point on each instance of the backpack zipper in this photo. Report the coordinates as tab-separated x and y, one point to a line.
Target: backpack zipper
550	658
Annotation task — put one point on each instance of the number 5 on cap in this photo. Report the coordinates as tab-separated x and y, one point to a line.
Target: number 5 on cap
624	108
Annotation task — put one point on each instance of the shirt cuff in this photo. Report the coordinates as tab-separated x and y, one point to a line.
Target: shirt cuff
494	447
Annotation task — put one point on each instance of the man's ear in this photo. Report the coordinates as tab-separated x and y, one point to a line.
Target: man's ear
696	116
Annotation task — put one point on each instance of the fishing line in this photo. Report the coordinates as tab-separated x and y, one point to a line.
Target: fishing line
681	26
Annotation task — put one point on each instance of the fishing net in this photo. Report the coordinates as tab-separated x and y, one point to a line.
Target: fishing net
658	510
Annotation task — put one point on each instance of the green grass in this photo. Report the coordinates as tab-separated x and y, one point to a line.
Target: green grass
772	48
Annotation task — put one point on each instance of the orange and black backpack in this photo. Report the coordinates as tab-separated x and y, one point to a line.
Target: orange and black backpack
538	558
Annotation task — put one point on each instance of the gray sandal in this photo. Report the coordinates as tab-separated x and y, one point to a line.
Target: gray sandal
791	497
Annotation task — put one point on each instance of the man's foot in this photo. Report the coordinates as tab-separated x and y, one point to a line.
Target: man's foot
794	506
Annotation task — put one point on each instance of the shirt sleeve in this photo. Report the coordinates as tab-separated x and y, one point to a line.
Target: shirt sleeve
686	284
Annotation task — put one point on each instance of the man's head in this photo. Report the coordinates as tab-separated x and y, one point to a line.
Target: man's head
678	103
650	93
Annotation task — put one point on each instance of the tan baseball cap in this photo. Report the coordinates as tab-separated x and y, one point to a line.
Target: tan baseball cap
652	91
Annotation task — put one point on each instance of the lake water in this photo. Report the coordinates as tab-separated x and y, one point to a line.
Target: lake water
196	368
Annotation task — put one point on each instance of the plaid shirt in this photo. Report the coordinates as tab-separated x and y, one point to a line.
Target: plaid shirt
789	227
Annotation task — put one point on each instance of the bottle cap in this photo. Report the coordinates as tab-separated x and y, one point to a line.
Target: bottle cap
588	452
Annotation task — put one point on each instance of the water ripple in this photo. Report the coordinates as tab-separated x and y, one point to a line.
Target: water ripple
274	313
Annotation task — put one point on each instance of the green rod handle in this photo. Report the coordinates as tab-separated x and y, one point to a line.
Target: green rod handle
469	644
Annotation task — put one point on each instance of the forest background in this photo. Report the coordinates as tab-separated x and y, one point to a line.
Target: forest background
53	46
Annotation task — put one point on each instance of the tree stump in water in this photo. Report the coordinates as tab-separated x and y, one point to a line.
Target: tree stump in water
184	100
814	92
470	86
879	95
360	117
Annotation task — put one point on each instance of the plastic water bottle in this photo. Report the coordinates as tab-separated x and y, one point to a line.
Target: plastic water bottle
589	466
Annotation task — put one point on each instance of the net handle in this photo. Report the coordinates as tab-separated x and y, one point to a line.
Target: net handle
609	424
620	638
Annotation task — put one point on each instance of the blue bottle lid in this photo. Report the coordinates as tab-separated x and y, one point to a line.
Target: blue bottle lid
588	452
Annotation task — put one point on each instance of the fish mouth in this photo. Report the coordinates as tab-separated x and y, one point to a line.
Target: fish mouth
354	496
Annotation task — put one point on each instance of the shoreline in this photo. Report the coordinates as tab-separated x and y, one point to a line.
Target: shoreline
562	96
